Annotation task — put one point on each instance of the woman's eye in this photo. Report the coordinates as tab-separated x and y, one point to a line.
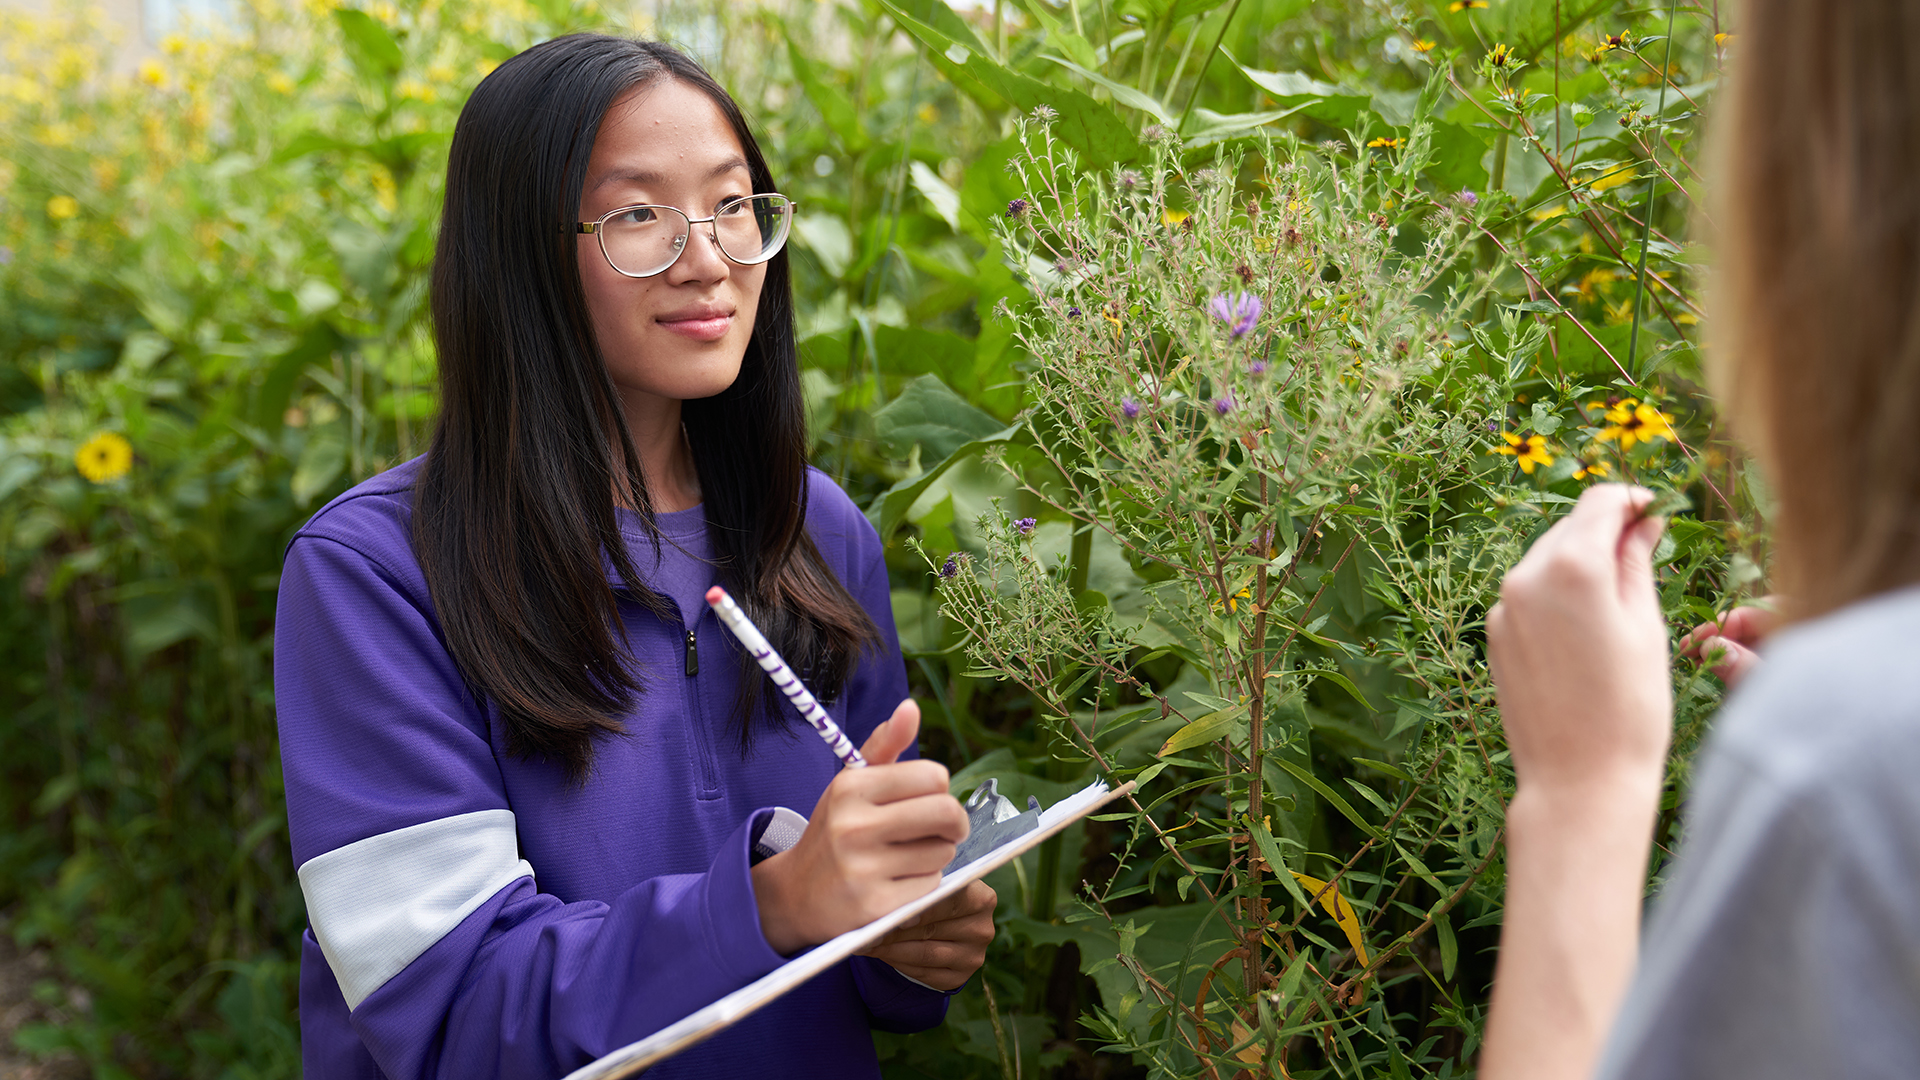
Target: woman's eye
639	215
734	206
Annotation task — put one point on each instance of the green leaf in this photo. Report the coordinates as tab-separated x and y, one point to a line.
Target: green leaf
891	506
910	350
834	105
929	413
1082	123
1122	93
321	462
1078	48
1381	766
938	193
1449	948
1342	682
1333	799
1204	730
374	52
1323	101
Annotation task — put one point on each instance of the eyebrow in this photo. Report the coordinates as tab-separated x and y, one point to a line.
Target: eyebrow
654	179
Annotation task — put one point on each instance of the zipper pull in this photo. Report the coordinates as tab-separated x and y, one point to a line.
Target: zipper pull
693	655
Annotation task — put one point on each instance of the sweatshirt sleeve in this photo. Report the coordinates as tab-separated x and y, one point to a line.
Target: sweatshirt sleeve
878	685
450	959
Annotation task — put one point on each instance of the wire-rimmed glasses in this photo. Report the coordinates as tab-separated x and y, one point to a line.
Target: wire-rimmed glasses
645	239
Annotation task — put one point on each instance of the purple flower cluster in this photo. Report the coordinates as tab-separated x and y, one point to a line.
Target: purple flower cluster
1017	207
1024	526
1073	312
1258	367
1223	404
1240	311
1468	199
950	567
1130	408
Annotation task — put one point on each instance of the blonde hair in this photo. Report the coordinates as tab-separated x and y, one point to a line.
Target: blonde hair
1817	321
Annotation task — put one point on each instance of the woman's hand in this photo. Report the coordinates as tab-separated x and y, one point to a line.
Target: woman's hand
878	838
1578	649
1727	645
947	943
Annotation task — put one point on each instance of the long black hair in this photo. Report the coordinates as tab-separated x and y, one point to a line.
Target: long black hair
514	519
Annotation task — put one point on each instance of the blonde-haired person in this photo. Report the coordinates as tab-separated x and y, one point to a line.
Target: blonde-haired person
1786	940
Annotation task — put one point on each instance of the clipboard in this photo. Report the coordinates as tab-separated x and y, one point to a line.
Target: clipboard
717	1017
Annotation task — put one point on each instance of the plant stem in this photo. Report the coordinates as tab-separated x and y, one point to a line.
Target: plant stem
1653	185
1200	79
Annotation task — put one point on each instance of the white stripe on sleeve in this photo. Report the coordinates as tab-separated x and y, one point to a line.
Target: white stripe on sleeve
378	903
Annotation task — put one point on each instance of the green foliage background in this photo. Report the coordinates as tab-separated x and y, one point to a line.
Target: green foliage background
222	259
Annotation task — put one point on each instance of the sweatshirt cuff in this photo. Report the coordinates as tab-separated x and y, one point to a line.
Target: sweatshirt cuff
897	1003
733	912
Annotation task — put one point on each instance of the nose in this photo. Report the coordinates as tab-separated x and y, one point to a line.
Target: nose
705	262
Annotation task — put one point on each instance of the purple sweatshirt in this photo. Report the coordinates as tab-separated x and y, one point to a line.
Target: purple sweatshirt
473	915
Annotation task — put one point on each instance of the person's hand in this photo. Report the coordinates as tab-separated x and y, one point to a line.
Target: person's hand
1578	649
1727	646
944	945
878	838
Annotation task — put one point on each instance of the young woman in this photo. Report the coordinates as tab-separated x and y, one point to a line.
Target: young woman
1786	940
541	804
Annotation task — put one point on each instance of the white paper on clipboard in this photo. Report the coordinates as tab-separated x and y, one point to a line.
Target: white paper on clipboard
716	1017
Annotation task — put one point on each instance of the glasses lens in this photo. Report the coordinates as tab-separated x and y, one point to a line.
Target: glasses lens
641	241
753	229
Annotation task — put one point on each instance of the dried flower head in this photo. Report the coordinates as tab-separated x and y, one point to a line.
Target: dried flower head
1243	272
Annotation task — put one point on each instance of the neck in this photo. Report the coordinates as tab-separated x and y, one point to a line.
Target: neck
666	465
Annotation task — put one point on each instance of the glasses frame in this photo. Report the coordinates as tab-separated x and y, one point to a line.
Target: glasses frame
598	229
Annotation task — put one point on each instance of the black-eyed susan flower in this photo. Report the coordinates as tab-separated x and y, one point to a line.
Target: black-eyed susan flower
104	458
1526	450
1630	422
1594	469
1422	45
1232	603
1384	142
1465	5
1501	56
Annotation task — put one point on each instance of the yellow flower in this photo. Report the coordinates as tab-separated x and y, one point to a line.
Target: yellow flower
1501	56
152	73
63	207
1591	468
1597	280
279	83
1614	177
1384	143
1549	213
1294	206
1422	45
1631	422
173	44
440	73
1233	602
1527	450
1175	217
927	114
1722	39
104	458
1466	5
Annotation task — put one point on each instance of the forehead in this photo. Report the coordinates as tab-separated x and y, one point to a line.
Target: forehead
663	134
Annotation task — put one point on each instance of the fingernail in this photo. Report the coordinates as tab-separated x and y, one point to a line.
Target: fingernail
910	923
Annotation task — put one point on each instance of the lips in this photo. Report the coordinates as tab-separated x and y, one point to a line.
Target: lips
704	322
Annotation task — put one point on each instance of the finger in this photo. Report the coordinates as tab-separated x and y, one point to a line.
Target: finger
1749	625
1599	521
1635	558
902	781
1727	658
892	738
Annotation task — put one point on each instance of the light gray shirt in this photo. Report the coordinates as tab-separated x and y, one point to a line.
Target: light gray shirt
1786	943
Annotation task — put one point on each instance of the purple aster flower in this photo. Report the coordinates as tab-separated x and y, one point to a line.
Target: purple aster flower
1258	367
1072	312
1024	526
1223	404
950	567
1130	408
1468	199
1017	207
1239	311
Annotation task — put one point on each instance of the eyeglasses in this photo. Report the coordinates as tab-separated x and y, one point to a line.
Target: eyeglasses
644	240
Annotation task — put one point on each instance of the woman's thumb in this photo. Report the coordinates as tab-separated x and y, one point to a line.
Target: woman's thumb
892	738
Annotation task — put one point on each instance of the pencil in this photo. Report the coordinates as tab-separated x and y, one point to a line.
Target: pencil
783	677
